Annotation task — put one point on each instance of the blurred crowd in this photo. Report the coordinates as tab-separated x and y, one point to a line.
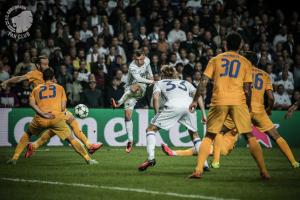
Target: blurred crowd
90	44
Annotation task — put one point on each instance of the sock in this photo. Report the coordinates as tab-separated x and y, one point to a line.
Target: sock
257	154
150	136
43	139
228	143
217	148
79	134
129	127
124	97
285	149
21	145
197	144
203	154
79	149
187	152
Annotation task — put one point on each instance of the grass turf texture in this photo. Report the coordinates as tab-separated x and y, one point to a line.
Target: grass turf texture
237	178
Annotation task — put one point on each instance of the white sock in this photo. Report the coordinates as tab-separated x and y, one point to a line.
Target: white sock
124	97
129	127
197	143
150	136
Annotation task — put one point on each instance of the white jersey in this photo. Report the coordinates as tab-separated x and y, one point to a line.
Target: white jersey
138	74
176	93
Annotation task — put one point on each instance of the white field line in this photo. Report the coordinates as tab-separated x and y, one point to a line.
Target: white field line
139	190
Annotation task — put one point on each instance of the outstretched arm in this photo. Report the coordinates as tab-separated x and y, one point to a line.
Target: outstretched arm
140	79
15	79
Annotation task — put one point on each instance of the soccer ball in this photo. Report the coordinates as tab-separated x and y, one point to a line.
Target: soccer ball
81	111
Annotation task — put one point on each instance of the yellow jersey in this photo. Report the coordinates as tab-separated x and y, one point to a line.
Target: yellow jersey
229	71
49	97
261	83
35	77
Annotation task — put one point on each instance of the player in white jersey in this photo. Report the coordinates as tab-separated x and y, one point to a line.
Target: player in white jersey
177	95
139	75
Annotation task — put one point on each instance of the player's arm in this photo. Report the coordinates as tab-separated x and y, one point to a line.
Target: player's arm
271	101
32	103
248	94
200	92
292	109
156	96
15	79
202	108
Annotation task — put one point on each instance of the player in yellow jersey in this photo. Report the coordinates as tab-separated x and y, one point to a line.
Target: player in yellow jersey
49	102
36	77
232	77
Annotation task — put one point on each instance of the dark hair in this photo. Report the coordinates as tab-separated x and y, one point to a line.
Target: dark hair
233	40
138	53
252	57
48	74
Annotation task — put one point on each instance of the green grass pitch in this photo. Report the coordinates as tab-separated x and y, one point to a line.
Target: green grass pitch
59	173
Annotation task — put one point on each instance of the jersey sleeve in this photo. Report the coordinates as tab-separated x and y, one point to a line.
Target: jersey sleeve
149	70
157	88
64	96
136	75
248	75
209	71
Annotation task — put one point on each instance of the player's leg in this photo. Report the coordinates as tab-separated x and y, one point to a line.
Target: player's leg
215	121
32	147
283	146
242	120
61	130
132	91
128	109
73	123
151	141
33	129
264	124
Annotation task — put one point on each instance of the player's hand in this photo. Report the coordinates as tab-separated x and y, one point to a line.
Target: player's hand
204	119
154	82
288	114
193	106
48	115
4	85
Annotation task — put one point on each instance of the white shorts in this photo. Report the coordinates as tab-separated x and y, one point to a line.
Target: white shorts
168	117
134	97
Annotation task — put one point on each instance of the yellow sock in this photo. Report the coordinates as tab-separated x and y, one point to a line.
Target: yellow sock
43	139
21	145
217	148
257	154
187	152
203	154
79	134
285	149
79	149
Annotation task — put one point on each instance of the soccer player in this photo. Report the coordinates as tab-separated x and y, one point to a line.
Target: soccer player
139	75
49	102
259	115
36	77
232	77
177	95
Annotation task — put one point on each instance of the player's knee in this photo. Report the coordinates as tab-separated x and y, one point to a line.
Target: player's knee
274	134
